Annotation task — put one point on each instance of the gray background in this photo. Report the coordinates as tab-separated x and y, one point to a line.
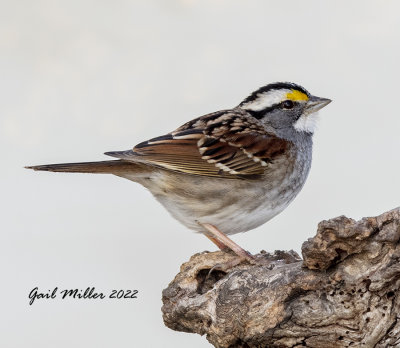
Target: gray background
82	77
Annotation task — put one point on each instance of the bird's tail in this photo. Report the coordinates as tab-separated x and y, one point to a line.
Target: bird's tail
102	167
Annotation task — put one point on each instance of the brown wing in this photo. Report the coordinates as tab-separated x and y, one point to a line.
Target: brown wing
227	144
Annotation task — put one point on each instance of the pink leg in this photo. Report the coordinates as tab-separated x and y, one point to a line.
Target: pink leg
220	245
223	240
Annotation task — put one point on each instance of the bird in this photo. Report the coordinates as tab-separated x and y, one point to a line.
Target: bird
228	171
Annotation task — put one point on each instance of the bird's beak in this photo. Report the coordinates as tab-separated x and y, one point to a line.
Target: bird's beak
315	103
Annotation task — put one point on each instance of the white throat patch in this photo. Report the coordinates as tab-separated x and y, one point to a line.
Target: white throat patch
307	123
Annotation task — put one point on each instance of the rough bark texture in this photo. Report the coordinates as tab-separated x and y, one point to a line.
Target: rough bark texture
344	293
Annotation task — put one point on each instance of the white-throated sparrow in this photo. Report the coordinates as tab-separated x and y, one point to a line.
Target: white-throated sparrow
229	171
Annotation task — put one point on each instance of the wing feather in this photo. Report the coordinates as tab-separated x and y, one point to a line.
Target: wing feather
225	144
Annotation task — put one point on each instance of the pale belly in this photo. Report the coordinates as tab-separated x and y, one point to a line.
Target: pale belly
231	205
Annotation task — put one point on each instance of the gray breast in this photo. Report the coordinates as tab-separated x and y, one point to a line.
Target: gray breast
232	205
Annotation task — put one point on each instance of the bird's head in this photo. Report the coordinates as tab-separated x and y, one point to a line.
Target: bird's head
285	106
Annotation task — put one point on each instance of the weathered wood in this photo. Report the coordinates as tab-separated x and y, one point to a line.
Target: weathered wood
344	293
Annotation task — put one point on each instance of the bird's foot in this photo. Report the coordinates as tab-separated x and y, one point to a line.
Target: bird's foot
225	266
223	242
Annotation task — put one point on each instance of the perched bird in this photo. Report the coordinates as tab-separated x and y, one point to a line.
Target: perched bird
229	171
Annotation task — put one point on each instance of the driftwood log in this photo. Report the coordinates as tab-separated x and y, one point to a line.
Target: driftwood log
343	293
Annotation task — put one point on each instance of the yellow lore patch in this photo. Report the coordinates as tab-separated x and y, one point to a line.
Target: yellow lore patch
296	95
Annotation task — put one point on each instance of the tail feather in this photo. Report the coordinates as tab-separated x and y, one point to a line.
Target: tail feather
102	167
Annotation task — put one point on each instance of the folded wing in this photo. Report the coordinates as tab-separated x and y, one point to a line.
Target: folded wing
218	145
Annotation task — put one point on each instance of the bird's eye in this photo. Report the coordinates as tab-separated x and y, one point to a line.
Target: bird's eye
288	104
